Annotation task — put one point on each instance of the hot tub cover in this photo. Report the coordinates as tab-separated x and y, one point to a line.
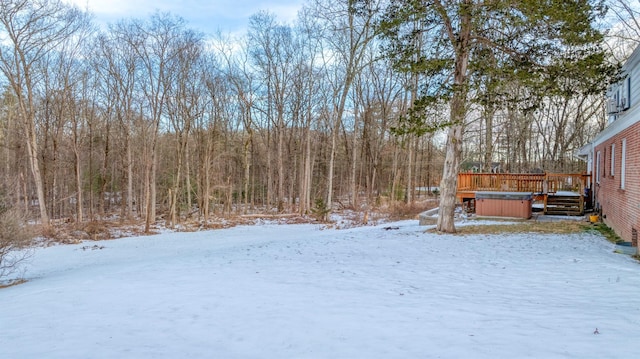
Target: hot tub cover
521	196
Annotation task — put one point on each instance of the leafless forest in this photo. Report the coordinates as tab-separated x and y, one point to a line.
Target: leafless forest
149	120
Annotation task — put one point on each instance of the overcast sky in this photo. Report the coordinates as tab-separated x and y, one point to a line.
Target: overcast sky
208	16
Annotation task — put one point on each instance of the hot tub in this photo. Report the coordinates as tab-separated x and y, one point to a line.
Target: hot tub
504	204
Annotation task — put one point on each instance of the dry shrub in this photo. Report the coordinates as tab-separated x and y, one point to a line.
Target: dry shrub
97	230
15	238
73	232
49	232
402	210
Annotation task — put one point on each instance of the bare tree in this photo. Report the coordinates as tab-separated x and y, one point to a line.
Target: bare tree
184	106
272	50
67	88
242	82
118	71
624	24
310	36
31	30
157	45
349	33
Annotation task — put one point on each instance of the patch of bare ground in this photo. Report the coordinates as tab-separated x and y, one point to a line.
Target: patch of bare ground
70	232
560	227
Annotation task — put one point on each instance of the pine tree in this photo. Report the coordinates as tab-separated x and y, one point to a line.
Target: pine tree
537	42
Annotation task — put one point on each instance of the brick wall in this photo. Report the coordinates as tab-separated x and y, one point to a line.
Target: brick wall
620	208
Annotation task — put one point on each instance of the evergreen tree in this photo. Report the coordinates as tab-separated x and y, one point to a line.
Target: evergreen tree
537	42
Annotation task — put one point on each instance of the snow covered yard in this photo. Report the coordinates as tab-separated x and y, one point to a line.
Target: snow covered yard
300	291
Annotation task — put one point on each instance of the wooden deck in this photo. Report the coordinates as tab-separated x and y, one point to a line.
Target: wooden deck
562	193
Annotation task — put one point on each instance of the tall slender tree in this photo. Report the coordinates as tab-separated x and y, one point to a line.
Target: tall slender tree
184	107
350	33
158	46
272	49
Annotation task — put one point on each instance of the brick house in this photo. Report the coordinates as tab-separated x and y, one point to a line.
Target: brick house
613	157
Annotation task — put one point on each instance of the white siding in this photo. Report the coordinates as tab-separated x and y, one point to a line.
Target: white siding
626	118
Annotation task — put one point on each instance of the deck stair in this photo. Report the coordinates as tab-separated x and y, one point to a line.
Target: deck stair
566	204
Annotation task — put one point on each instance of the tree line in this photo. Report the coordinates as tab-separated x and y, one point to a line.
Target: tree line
149	118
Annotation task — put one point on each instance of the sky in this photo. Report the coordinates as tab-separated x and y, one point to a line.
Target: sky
208	16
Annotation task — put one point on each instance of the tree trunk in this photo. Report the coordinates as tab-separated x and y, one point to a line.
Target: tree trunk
187	174
78	180
458	112
488	138
280	161
449	183
129	208
32	149
305	192
338	112
353	187
247	169
409	194
175	188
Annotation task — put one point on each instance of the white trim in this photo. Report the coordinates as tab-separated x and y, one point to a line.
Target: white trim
598	157
623	163
612	171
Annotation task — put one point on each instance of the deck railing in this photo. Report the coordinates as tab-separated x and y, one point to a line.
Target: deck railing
539	183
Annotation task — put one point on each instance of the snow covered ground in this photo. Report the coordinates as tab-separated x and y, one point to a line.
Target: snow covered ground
300	291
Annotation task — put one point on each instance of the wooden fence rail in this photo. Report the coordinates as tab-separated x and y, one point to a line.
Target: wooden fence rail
538	183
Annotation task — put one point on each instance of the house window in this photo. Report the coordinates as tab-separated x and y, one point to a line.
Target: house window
625	97
598	167
604	163
623	163
612	170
